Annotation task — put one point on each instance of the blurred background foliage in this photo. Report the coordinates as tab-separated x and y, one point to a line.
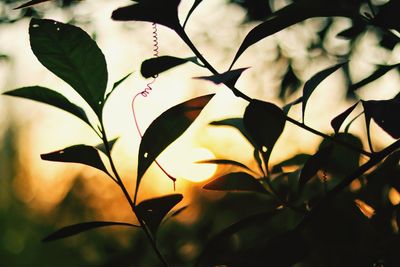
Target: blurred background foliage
22	228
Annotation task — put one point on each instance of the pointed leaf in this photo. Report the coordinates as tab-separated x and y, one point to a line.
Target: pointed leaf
296	160
164	12
111	144
230	77
50	97
72	55
83	154
314	81
339	119
31	3
152	211
236	123
75	229
196	3
167	128
384	113
382	70
236	181
226	162
265	123
314	164
116	84
287	107
154	66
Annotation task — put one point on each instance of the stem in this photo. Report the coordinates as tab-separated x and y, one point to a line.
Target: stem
128	198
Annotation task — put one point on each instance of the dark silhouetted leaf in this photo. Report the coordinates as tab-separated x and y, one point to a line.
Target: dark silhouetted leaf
382	70
236	181
289	83
352	32
256	9
287	107
72	55
265	123
225	162
179	211
87	155
229	78
290	15
384	113
314	81
236	123
111	144
75	229
196	3
296	160
314	164
387	16
164	12
31	3
117	83
50	97
339	119
166	128
154	66
152	211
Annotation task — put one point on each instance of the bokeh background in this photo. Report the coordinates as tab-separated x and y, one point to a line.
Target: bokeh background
38	197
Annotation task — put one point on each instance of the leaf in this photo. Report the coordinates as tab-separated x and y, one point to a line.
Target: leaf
152	211
225	162
229	78
164	12
167	128
83	154
382	70
290	83
154	66
384	113
111	144
296	160
290	15
50	97
75	229
265	123
236	181
287	107
314	81
339	119
72	55
116	84
236	123
31	3
314	164
196	3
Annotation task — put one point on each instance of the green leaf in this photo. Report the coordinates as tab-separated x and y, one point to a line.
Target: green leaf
314	164
382	70
265	123
154	66
31	3
339	119
314	81
75	229
50	97
226	162
111	144
72	55
236	181
229	77
83	154
164	12
116	84
167	128
152	211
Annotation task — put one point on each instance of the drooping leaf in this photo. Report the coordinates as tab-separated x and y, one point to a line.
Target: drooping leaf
111	144
379	72
290	15
166	128
31	3
50	97
152	211
265	123
196	3
230	77
339	119
154	66
164	12
226	162
314	164
384	113
75	229
72	55
236	181
83	154
314	81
